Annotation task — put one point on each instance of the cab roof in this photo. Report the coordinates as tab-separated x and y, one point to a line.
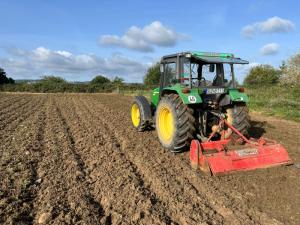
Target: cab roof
209	57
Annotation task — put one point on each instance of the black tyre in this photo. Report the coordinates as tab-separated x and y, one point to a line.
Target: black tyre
238	116
175	123
140	113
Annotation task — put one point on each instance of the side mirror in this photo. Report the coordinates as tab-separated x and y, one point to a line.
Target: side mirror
211	68
161	68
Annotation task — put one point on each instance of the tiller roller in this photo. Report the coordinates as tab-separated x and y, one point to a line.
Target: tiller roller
218	157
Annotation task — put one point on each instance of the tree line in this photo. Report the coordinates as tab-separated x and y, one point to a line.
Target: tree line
4	79
262	75
287	74
53	84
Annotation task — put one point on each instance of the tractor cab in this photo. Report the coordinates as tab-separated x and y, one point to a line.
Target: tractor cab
200	77
199	69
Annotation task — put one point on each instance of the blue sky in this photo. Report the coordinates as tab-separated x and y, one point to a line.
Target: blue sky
79	39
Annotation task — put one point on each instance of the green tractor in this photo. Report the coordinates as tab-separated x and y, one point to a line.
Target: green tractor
195	89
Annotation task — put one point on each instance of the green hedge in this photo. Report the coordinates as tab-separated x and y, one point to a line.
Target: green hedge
278	100
49	87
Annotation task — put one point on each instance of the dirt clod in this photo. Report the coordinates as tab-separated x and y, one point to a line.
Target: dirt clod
44	218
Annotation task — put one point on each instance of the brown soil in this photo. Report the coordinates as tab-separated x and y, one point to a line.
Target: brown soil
75	159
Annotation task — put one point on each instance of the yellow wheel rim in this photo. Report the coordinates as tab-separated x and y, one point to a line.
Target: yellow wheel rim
135	115
165	124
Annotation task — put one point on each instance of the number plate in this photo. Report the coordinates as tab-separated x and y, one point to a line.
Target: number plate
211	91
247	151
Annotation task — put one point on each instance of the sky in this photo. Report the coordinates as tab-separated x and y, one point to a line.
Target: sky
78	40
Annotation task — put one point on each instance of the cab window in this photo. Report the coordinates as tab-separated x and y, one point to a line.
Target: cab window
190	69
170	74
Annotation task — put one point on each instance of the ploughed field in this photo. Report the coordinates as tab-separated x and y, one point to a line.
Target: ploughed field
75	159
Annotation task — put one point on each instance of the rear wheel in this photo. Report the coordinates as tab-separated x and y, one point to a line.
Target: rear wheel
140	113
238	117
175	123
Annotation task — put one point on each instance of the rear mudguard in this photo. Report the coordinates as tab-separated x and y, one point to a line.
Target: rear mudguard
237	96
193	97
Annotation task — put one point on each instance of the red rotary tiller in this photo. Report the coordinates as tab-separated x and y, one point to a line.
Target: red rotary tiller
217	158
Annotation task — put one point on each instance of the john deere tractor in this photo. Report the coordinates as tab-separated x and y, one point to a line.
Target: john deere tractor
195	89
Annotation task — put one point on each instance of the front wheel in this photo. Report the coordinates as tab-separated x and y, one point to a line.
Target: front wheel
140	113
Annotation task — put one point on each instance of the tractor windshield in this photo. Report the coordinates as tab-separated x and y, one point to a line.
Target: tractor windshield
205	75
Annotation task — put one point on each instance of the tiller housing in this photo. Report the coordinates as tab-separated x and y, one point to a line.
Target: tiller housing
217	158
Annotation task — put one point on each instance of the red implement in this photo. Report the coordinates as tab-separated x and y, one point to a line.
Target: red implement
214	156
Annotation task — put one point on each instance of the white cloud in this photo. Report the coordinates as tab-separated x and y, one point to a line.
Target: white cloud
249	31
64	53
23	64
269	49
276	24
144	39
272	25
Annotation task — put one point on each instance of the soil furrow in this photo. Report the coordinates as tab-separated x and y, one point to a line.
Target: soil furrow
189	207
13	107
19	182
157	207
9	100
4	98
63	196
97	209
16	119
22	120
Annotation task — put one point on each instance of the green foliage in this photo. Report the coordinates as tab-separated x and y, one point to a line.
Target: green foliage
51	84
118	81
275	100
262	75
53	80
99	80
4	79
11	81
291	71
153	75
